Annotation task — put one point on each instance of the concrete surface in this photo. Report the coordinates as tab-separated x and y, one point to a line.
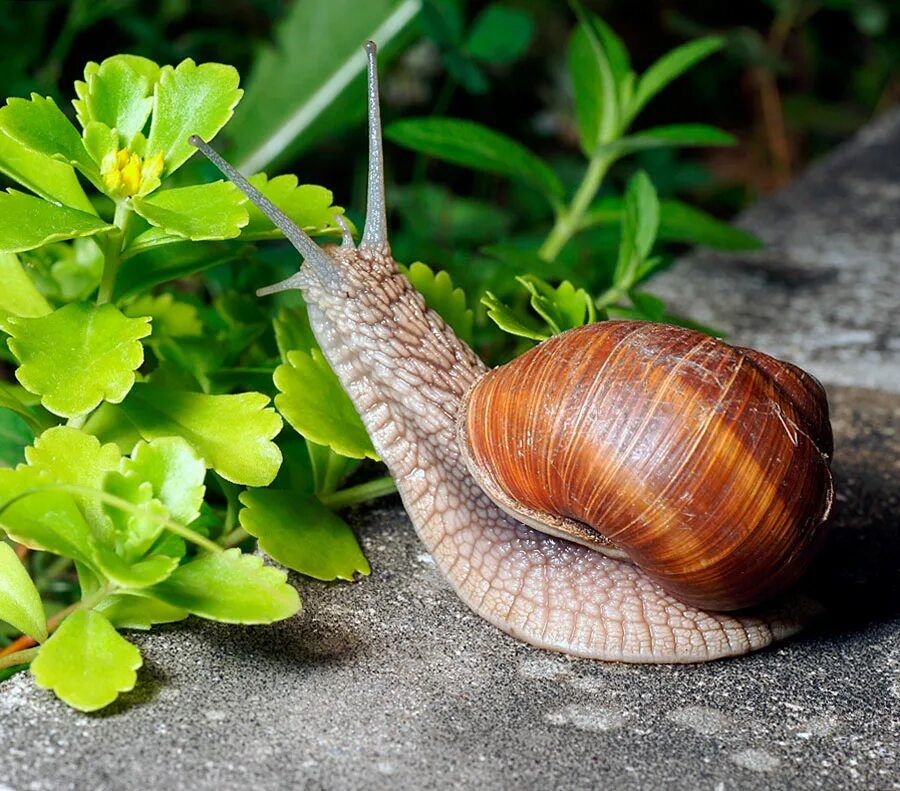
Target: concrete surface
392	683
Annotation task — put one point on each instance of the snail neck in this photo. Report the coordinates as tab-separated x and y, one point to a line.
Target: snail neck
405	371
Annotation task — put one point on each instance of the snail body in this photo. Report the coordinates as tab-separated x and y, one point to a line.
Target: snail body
408	375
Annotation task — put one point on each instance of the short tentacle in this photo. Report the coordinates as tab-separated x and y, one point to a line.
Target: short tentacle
347	240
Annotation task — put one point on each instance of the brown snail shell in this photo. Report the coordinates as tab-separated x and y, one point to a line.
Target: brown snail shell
705	464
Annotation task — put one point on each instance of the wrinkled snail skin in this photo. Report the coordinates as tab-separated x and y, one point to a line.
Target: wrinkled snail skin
705	464
406	373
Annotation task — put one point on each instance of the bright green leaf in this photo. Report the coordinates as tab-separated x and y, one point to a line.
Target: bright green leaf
40	125
18	296
639	226
109	424
86	662
500	34
174	472
563	307
308	205
440	295
78	356
232	433
198	213
46	177
314	403
133	531
119	93
504	317
670	66
20	602
302	534
475	146
190	100
230	587
137	612
27	222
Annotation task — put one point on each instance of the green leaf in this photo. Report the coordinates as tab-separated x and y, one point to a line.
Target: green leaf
297	95
308	206
27	222
639	225
169	316
119	93
440	295
293	331
500	34
78	356
110	424
190	100
45	520
563	307
20	602
174	472
146	268
504	317
679	222
19	296
670	66
651	307
15	434
44	176
675	135
475	146
314	403
598	65
40	125
230	587
124	611
302	534
232	433
86	662
200	212
133	532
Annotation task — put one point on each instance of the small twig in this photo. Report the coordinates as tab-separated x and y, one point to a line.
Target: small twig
18	658
22	552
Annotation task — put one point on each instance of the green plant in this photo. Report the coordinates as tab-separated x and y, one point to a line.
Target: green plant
137	437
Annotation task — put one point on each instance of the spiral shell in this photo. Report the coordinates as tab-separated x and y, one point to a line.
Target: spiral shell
705	464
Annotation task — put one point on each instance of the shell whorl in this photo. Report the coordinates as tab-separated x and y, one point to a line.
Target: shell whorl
706	464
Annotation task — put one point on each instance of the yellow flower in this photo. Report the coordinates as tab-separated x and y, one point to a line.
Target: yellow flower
124	173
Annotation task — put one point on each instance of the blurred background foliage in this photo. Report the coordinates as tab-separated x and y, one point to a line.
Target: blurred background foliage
794	78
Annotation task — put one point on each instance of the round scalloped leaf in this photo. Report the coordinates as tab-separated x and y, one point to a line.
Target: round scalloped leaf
27	222
125	611
230	587
200	212
117	92
78	356
308	205
190	100
20	602
174	472
86	662
19	295
232	433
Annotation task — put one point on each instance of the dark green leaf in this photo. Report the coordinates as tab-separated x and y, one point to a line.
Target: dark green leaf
500	34
475	146
302	534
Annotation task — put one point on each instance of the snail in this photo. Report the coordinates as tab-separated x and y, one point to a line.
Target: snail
666	440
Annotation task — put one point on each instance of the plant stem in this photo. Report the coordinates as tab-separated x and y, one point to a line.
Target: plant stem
334	471
112	254
569	220
233	538
358	494
18	658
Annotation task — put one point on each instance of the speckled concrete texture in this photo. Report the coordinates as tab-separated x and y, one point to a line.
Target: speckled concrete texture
391	683
825	291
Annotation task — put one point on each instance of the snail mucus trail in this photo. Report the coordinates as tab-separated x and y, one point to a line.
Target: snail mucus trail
710	416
